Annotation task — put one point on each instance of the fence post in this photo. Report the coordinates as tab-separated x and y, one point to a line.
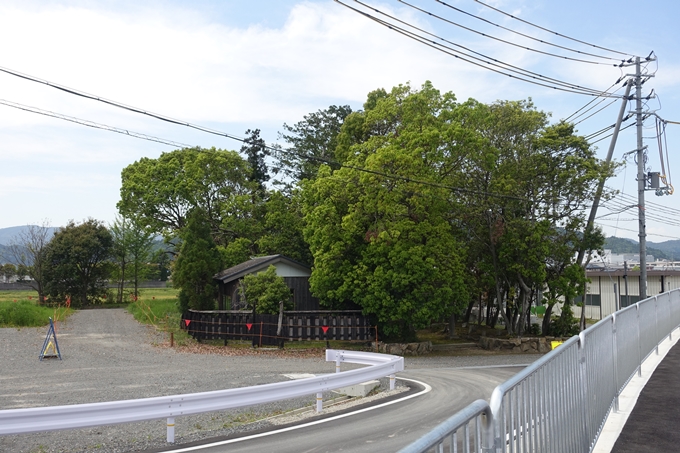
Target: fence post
616	363
583	381
319	402
171	430
488	433
639	339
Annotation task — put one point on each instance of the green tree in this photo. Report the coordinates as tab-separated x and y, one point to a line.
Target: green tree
78	263
282	228
386	242
312	142
133	244
197	262
267	292
161	192
255	148
529	186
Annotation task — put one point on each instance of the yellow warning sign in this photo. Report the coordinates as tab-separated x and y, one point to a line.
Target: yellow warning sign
554	344
50	350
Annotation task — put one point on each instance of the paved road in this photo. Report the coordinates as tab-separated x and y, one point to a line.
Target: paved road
386	428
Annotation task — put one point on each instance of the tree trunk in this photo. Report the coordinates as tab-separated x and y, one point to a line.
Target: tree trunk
545	328
452	326
466	318
278	328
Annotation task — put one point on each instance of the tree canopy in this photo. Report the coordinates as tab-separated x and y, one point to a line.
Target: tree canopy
77	264
449	193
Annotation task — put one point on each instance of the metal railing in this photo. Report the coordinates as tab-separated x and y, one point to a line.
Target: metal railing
560	403
29	420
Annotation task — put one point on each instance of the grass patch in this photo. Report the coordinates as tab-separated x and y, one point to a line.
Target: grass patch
158	307
25	313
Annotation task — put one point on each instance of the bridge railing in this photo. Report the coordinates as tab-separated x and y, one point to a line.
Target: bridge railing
560	403
29	420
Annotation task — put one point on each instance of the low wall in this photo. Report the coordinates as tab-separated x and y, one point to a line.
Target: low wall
539	345
403	349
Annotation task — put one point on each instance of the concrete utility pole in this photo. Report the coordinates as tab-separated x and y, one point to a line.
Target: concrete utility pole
642	182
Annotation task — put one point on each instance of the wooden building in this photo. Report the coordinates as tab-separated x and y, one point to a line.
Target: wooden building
295	274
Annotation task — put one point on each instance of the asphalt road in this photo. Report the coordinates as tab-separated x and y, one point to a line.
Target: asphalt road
386	427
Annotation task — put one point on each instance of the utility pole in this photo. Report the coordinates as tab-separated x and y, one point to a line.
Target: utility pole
642	182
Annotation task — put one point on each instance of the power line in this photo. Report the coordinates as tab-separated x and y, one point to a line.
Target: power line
635	231
552	32
510	43
93	124
525	74
244	140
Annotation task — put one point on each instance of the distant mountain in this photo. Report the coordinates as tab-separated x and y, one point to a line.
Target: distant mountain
671	248
661	250
7	235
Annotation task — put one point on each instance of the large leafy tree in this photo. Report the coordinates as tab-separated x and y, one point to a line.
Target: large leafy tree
530	184
196	264
77	264
383	238
161	192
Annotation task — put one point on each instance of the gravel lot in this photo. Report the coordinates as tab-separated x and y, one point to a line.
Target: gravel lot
108	356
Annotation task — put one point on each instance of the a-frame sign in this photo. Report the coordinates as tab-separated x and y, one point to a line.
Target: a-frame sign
50	346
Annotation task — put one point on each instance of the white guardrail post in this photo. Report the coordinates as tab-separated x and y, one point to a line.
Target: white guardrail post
38	419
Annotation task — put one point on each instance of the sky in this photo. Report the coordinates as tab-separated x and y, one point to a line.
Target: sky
232	65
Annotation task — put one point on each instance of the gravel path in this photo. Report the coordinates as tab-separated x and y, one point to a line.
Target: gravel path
108	356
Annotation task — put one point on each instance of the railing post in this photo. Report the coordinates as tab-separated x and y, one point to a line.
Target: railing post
319	402
639	339
583	381
171	430
337	363
656	323
616	363
392	381
488	433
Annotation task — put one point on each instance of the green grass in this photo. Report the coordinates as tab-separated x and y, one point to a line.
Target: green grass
25	313
158	307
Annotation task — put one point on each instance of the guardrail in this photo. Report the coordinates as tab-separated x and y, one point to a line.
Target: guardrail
18	421
560	402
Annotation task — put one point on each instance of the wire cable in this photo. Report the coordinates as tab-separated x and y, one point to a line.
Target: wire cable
245	140
485	65
550	31
443	19
93	124
484	58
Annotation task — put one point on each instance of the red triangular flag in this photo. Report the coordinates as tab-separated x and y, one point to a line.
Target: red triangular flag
324	328
187	321
249	326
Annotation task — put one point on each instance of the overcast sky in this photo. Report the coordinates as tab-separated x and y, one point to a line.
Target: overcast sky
234	65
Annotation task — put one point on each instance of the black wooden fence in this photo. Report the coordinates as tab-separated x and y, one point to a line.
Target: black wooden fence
261	329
